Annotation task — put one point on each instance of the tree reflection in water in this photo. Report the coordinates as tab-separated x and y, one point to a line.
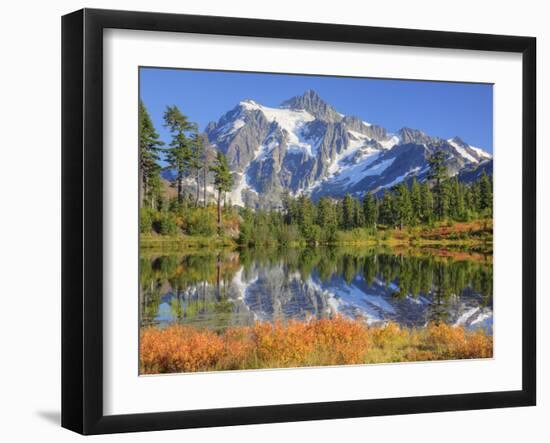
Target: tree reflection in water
219	289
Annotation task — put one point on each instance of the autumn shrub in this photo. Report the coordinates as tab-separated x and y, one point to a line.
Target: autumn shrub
318	342
239	349
340	340
179	349
448	342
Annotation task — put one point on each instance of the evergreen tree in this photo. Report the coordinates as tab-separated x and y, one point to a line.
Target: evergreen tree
438	175
426	199
180	155
476	196
416	201
327	218
149	149
386	210
306	219
403	206
289	210
306	212
359	214
223	181
444	199
197	161
485	195
458	206
370	209
453	197
348	212
340	213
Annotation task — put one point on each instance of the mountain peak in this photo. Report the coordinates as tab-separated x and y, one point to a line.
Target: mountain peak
409	135
311	101
248	103
304	146
456	139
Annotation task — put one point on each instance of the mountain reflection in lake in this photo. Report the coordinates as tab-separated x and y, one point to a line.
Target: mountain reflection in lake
221	289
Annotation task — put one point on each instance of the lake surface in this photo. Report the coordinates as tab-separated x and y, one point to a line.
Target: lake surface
220	289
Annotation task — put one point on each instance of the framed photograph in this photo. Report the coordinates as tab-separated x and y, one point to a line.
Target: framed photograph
269	221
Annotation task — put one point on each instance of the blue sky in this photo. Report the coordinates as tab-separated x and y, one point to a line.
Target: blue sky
438	108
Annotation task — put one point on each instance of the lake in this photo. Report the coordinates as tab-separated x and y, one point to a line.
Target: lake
219	289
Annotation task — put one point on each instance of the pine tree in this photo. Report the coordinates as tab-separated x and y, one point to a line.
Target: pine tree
340	213
359	214
476	196
327	218
485	194
386	210
288	207
348	212
403	205
444	199
306	219
458	204
453	198
370	209
438	174
416	201
197	161
427	203
149	149
223	181
306	212
180	155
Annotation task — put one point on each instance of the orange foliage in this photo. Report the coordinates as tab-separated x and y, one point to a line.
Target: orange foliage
337	341
179	349
456	343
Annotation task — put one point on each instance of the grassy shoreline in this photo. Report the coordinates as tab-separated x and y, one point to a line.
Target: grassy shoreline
178	242
324	342
475	236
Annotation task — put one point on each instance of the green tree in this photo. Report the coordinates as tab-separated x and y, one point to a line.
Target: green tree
306	219
426	203
327	218
290	212
386	210
444	199
370	209
359	214
457	202
438	175
180	154
149	149
223	181
197	161
348	212
416	201
485	194
403	206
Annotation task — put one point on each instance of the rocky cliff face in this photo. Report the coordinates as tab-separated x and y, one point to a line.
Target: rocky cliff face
306	146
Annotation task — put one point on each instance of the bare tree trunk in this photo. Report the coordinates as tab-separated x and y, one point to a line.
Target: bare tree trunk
141	189
204	173
180	190
198	189
219	211
218	276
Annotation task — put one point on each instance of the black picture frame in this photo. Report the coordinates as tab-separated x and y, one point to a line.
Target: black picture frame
82	219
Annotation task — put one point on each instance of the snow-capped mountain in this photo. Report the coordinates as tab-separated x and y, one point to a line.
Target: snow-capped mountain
306	146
